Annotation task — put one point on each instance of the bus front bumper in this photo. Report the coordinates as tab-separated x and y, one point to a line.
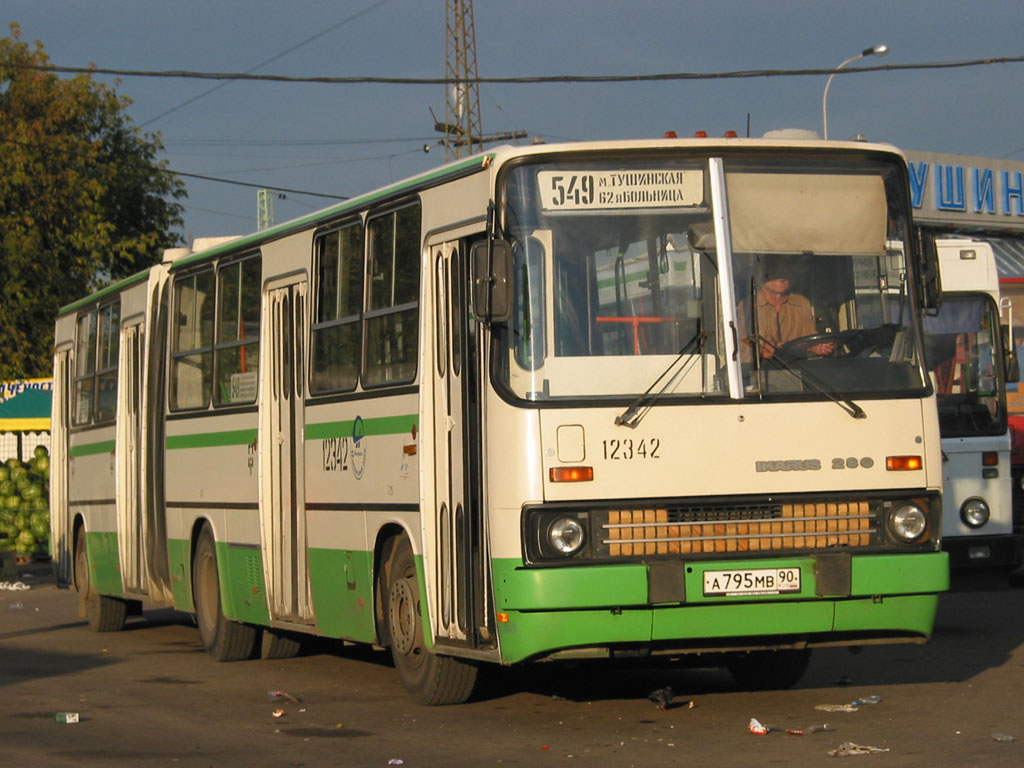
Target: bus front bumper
607	609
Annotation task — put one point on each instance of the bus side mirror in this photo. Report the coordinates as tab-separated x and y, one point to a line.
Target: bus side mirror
491	262
1012	372
928	268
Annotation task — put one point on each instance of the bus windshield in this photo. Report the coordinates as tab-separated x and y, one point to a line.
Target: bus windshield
963	353
636	273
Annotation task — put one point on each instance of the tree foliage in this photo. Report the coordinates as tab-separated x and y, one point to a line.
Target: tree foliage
84	200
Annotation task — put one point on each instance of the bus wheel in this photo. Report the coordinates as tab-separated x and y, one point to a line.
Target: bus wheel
277	644
224	640
105	614
429	678
769	670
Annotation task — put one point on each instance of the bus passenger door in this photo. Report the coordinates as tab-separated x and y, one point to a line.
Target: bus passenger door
130	533
61	544
282	496
459	572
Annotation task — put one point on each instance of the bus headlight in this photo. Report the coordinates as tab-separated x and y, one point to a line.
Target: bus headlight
565	535
908	523
975	512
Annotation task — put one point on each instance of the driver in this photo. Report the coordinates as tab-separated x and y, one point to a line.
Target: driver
781	316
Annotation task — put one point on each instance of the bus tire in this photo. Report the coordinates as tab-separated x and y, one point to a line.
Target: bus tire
104	614
224	640
769	670
278	644
429	678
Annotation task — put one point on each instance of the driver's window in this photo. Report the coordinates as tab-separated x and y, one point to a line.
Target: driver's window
780	299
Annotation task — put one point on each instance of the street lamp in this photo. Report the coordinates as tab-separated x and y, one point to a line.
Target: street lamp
878	50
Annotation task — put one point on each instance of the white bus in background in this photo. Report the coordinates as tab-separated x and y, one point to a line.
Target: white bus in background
970	356
981	198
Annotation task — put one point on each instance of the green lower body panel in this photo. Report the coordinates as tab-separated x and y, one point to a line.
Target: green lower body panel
342	584
859	599
179	556
104	563
240	572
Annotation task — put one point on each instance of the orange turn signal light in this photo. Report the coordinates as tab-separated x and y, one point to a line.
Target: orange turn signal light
501	617
990	458
901	463
571	474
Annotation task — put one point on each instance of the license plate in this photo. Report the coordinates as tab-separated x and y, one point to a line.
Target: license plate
751	581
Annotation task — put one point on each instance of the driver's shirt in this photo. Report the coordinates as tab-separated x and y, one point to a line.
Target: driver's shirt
794	318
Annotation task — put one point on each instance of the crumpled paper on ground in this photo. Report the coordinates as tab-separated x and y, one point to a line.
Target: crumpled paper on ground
849	748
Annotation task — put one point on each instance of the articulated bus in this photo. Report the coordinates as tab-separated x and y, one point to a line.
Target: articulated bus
518	409
970	354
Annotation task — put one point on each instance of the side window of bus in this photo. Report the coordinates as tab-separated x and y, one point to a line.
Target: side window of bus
96	365
238	331
106	361
192	341
85	369
392	308
337	339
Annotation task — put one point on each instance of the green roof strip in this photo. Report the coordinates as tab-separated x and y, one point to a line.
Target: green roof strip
424	180
120	285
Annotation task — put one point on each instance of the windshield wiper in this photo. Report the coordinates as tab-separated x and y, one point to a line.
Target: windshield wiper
636	410
820	386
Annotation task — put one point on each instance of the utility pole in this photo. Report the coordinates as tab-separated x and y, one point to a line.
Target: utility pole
462	128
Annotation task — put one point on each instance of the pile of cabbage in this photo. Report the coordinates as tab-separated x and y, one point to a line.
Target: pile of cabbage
25	504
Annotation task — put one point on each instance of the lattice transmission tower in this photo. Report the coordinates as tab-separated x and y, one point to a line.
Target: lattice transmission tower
463	134
264	209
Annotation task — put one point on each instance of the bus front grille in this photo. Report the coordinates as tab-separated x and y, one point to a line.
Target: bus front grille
741	529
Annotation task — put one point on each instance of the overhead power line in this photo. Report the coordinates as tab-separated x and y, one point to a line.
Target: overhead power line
173	172
256	186
275	57
294	142
521	80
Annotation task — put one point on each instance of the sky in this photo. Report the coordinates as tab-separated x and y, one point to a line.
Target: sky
347	139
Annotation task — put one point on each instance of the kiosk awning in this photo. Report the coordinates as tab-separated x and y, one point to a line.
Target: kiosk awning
27	411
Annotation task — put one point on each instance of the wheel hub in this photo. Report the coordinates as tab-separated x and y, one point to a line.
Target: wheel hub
402	607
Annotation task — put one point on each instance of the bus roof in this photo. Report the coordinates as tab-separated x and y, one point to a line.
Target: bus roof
214	247
120	285
434	176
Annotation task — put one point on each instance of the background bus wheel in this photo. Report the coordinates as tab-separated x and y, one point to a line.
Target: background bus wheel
430	679
105	614
769	670
278	644
223	639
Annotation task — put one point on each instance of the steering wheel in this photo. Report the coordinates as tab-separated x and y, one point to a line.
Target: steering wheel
798	349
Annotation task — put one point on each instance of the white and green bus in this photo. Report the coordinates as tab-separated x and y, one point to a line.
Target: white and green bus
515	409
